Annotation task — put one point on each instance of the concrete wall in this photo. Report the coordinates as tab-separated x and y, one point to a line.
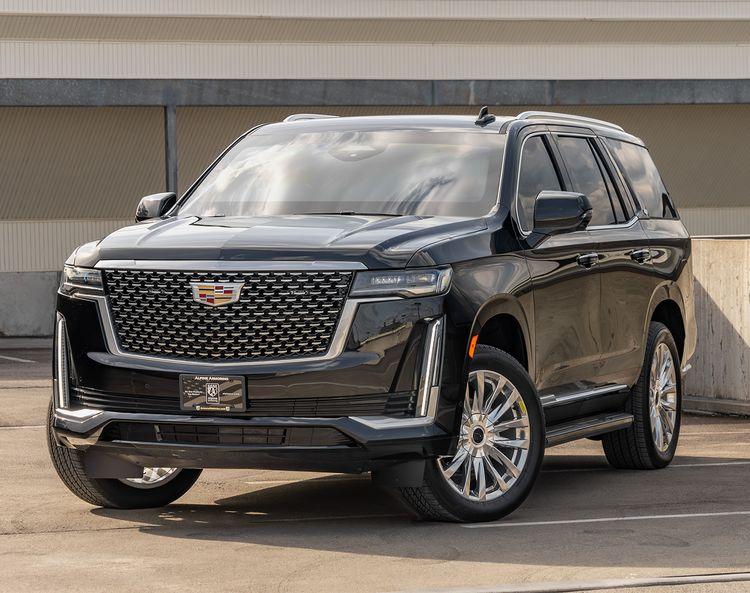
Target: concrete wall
27	303
720	377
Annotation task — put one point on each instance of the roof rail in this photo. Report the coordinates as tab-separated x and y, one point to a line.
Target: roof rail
568	117
301	116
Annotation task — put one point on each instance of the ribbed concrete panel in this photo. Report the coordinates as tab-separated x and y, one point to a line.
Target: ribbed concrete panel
61	59
43	246
426	9
305	30
79	162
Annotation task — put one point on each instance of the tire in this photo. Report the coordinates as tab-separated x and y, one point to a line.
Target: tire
440	497
637	447
113	493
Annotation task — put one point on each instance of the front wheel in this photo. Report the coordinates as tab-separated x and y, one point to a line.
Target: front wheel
157	487
655	402
500	447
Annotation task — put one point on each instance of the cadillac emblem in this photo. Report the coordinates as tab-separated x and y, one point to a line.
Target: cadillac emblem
216	295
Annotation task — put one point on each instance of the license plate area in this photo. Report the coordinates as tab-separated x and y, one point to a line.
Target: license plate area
212	393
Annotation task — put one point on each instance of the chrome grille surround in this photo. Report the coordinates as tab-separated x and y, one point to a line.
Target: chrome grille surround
279	315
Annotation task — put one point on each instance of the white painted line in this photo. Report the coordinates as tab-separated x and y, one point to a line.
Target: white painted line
710	464
22	427
603	520
713	432
316	480
673	466
14	359
626	583
323	518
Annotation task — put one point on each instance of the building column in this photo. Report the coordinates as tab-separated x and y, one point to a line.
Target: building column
170	146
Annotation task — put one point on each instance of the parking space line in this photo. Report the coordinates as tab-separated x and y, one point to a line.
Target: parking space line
704	434
673	466
14	359
507	524
601	585
21	427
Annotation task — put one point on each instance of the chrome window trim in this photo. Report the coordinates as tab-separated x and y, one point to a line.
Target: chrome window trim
619	225
338	342
226	265
598	227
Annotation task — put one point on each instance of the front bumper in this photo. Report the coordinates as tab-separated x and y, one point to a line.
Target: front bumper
307	444
127	408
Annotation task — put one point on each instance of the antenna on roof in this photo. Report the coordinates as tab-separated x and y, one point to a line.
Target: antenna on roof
484	117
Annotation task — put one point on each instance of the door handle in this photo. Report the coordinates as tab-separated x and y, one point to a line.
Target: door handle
588	260
641	255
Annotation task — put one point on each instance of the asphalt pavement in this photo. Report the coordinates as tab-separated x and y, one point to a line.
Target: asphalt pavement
585	526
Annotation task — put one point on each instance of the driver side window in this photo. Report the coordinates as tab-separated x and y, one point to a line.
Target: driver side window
537	174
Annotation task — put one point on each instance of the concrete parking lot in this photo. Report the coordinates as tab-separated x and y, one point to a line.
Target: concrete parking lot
584	527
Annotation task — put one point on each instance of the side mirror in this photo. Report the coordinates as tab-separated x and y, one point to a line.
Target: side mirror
154	205
558	212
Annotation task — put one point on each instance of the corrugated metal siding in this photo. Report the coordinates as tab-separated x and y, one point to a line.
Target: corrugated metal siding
470	9
78	59
701	150
43	246
714	222
306	30
40	246
79	162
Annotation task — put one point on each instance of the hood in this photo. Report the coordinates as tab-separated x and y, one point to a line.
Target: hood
376	241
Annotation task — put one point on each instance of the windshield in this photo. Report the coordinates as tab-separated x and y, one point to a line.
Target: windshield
393	172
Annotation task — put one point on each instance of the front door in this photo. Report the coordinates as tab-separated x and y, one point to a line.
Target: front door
564	279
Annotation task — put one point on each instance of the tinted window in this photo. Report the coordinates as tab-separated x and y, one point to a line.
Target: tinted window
537	174
423	172
586	175
643	177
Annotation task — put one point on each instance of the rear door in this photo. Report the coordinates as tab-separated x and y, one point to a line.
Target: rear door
669	241
624	261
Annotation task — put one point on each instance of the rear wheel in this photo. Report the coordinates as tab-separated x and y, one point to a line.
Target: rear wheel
655	402
500	447
157	487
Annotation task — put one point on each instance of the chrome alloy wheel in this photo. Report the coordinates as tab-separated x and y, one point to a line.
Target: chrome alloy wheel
153	477
662	396
493	444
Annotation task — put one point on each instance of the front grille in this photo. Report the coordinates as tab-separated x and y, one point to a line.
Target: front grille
278	315
395	405
202	434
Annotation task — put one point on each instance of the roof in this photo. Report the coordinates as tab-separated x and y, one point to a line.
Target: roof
304	122
317	122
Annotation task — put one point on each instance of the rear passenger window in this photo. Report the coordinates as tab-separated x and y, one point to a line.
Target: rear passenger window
537	174
587	175
643	178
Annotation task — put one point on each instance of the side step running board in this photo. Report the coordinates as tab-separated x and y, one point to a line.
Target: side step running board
586	427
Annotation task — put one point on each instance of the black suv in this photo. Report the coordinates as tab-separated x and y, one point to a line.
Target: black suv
434	300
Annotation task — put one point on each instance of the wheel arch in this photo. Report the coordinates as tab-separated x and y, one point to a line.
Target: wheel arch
667	307
503	323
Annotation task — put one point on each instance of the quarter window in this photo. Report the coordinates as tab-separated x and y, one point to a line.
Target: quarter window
587	176
537	174
643	178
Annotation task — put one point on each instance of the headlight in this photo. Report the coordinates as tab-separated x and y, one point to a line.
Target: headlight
406	283
84	280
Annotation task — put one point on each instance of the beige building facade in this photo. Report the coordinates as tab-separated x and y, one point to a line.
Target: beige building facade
103	101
